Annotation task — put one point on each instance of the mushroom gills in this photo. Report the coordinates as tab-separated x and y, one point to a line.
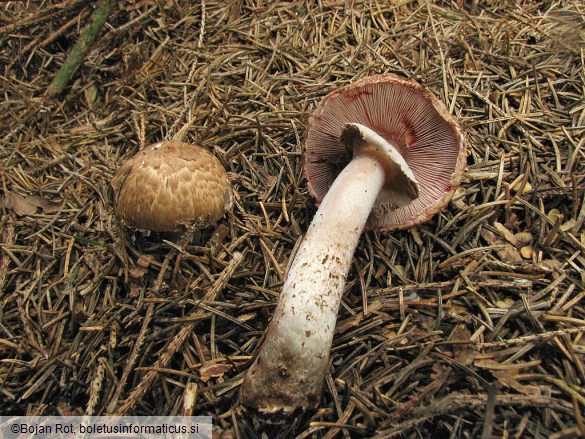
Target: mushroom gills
401	186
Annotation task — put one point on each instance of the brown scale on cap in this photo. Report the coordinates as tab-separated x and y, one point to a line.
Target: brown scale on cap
408	116
169	185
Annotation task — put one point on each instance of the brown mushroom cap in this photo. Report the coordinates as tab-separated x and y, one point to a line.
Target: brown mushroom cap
169	185
409	117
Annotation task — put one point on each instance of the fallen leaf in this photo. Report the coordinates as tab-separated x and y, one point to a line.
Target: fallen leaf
24	205
47	206
18	204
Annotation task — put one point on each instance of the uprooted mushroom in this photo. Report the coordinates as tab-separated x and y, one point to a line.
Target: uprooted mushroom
382	153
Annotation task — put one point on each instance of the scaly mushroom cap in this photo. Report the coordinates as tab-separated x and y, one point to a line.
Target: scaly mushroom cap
169	185
409	117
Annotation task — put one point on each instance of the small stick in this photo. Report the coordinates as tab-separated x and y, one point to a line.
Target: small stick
202	29
189	399
86	39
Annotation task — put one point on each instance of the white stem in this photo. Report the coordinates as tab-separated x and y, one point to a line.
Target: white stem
291	365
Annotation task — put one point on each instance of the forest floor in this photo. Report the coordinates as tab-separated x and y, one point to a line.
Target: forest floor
468	326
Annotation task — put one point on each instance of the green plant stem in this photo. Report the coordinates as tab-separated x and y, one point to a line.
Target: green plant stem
86	39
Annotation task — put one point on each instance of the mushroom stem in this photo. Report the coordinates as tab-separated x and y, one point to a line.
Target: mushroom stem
290	368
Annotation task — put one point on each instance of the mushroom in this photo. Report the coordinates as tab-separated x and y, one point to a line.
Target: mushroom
382	153
170	185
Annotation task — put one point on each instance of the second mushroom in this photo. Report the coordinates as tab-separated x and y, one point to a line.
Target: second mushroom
382	153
